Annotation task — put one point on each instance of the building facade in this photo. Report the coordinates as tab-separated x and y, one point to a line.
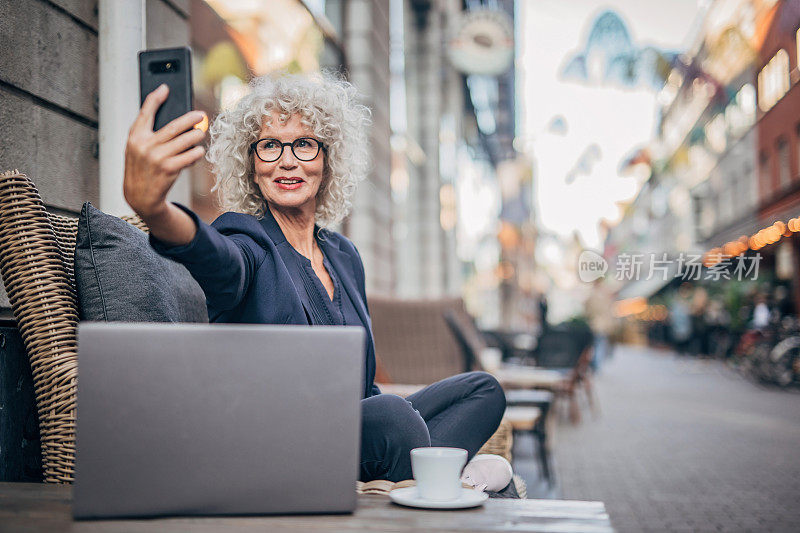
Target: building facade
704	187
452	131
778	94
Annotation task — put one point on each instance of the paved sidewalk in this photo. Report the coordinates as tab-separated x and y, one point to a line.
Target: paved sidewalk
684	445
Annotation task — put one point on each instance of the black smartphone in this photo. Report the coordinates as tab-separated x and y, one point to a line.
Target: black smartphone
172	66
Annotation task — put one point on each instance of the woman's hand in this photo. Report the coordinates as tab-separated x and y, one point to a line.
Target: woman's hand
153	161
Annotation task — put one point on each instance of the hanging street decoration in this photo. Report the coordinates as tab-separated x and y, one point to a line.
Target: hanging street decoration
483	43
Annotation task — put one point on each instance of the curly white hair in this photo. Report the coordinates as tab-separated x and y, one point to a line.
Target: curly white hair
328	104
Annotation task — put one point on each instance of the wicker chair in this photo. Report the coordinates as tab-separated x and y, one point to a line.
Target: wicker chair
36	262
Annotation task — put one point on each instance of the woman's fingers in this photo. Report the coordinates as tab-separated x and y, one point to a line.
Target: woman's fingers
178	126
181	143
177	163
153	160
147	114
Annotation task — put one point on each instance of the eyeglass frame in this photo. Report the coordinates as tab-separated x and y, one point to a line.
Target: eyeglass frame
321	147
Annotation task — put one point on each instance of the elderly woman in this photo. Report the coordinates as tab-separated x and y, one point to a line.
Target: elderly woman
287	160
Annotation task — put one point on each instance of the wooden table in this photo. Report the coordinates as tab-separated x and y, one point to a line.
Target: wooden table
37	507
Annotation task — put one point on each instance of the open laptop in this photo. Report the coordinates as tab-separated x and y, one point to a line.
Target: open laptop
190	419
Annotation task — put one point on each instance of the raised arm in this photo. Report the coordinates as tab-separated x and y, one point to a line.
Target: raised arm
153	161
222	265
223	258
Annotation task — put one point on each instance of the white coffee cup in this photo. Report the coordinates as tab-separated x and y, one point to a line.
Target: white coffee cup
437	471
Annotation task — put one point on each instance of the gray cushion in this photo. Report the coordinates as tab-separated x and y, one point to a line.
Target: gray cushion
121	278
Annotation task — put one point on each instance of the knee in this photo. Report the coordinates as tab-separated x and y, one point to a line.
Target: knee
485	381
401	424
488	386
392	428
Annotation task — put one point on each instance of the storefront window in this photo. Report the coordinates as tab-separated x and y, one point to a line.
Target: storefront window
773	80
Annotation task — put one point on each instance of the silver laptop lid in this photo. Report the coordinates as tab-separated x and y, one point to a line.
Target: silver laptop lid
177	419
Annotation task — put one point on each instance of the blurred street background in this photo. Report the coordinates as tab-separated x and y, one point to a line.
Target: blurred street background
629	167
683	445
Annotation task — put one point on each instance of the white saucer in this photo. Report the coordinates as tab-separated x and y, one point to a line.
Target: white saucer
410	497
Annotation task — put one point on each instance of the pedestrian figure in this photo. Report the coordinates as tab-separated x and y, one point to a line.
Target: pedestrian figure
680	320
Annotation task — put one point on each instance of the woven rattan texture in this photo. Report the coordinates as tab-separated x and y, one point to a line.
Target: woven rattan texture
65	230
501	442
37	264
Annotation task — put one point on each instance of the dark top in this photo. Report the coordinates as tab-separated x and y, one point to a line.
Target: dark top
251	274
321	309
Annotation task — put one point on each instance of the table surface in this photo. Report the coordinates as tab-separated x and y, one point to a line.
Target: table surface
40	507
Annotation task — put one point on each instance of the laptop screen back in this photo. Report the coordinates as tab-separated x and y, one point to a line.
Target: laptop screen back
184	419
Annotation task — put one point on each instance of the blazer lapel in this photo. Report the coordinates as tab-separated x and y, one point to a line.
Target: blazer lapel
343	264
284	249
272	228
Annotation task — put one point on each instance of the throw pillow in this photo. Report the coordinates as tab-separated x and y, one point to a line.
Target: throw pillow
119	276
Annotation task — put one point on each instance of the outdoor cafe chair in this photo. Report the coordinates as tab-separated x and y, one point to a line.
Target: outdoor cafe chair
569	348
414	348
473	348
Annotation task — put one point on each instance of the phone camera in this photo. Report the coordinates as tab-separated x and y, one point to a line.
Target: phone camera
164	67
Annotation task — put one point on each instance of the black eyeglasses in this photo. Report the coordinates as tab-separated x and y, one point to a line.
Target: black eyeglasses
270	150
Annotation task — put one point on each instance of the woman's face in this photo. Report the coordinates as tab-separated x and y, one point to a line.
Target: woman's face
289	182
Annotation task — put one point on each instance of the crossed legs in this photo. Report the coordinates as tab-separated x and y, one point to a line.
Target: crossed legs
462	411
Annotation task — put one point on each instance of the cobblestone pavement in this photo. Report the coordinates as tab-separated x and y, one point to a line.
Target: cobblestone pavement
683	444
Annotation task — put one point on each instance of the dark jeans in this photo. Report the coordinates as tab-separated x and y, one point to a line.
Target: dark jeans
461	411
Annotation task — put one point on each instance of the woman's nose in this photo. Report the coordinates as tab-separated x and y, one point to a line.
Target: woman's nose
288	160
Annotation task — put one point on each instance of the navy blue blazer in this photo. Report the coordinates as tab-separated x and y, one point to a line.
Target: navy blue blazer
240	263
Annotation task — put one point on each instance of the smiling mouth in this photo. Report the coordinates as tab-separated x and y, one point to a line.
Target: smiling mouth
288	181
